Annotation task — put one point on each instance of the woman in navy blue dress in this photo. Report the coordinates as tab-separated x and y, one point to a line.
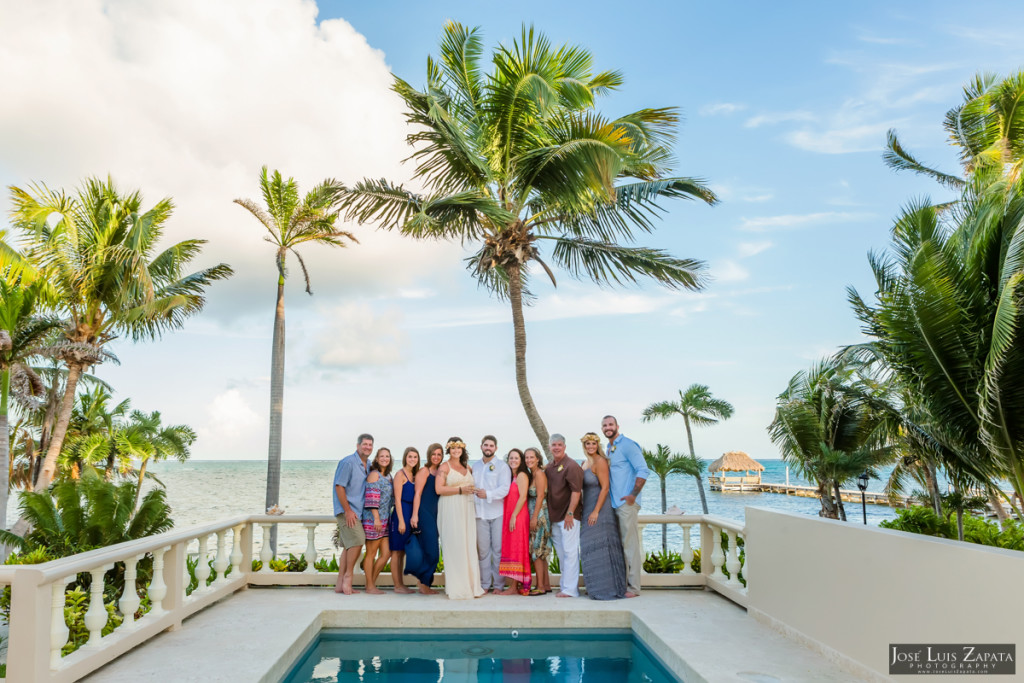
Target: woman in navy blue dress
422	550
400	529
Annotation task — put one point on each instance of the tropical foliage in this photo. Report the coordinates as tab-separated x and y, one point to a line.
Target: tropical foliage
95	251
698	408
519	165
290	221
830	429
663	462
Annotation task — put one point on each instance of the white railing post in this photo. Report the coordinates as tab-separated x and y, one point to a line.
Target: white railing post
266	553
687	550
58	624
202	565
733	562
221	563
96	616
129	602
236	549
717	556
157	587
310	547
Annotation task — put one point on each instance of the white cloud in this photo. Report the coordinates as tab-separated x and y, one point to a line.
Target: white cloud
729	271
188	99
778	117
724	108
746	249
230	417
794	221
356	336
843	139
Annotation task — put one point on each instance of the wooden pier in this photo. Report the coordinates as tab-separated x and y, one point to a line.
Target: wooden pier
873	497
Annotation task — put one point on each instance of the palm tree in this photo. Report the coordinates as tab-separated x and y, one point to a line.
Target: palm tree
698	409
79	515
663	463
988	129
290	221
827	427
97	253
518	158
947	320
22	335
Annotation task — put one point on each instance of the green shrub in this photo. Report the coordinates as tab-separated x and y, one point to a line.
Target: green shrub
325	565
923	520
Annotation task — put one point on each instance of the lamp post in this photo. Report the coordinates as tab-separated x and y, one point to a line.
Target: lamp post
862	484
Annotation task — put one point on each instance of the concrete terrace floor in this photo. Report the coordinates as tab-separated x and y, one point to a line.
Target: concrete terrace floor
255	634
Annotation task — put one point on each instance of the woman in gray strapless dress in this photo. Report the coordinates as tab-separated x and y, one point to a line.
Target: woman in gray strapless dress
601	556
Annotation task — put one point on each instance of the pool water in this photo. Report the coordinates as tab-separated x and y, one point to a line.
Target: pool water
445	656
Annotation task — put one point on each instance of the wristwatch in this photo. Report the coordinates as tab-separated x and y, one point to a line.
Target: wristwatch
570	514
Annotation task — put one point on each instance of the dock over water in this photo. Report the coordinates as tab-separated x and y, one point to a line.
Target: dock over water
753	485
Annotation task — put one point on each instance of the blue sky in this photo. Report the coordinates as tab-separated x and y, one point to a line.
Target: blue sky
786	108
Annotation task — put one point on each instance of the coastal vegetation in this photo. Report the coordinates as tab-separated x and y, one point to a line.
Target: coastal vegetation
291	221
663	462
520	166
698	408
95	253
939	385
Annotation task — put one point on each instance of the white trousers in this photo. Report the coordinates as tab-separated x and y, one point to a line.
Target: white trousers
488	549
567	545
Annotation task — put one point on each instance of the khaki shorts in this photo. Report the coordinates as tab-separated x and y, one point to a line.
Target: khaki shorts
350	537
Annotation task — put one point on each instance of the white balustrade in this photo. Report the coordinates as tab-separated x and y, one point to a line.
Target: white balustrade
202	566
236	549
157	587
96	616
59	630
687	550
220	564
129	602
733	562
717	556
266	552
310	547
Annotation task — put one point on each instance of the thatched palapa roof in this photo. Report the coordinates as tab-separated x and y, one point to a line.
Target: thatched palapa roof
735	461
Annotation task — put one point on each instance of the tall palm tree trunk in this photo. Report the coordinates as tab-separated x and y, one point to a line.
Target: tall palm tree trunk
664	527
700	489
5	445
276	408
828	508
933	487
700	481
839	501
515	290
60	429
138	488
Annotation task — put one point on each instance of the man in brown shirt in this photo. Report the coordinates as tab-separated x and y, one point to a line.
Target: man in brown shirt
565	486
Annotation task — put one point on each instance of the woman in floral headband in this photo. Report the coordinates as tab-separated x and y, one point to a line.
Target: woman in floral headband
456	516
604	564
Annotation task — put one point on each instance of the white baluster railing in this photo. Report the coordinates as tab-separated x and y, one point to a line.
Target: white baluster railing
41	593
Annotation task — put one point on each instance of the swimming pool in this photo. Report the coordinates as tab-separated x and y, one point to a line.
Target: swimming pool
507	656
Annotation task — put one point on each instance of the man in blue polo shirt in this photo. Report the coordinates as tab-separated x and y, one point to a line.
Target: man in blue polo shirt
349	489
629	473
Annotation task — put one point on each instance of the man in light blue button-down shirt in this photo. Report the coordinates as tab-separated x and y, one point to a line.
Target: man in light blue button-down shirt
629	473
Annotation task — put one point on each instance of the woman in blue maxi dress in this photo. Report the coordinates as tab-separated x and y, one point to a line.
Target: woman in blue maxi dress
422	550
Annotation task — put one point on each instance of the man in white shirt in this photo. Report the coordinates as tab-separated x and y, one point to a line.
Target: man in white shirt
492	479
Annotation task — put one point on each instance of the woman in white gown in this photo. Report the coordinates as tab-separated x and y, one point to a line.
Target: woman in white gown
456	522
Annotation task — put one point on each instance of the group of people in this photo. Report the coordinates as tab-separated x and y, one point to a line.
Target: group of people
494	522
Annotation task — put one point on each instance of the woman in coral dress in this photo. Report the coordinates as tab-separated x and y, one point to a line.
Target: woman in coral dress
515	532
456	520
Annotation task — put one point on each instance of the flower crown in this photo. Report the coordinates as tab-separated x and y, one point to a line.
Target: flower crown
457	444
591	436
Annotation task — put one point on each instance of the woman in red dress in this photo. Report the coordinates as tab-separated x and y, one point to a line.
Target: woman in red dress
515	534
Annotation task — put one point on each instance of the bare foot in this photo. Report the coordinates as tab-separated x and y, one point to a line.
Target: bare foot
630	594
563	595
373	590
402	589
507	591
427	590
